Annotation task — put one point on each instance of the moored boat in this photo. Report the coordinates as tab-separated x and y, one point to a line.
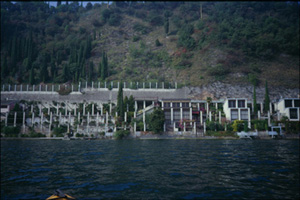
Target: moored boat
59	195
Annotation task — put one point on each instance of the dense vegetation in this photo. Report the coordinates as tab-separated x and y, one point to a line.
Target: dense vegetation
190	42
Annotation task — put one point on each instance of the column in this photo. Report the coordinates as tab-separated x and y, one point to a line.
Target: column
124	85
110	108
181	111
50	123
41	123
97	119
27	88
69	117
21	88
9	87
144	104
78	118
49	110
134	115
59	119
164	127
75	109
33	87
83	109
201	117
66	111
269	119
88	119
32	120
125	117
31	108
210	116
143	85
175	85
6	116
134	128
195	131
52	88
162	105
118	85
278	116
15	119
135	106
156	85
216	106
220	118
261	107
184	127
93	105
101	106
86	85
104	84
106	117
174	126
239	114
144	116
40	109
144	126
47	88
98	84
204	127
191	113
171	104
92	84
78	87
137	85
163	85
271	110
40	87
23	123
249	119
57	108
258	114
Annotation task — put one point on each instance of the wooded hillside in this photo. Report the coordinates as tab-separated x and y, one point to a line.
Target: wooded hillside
193	43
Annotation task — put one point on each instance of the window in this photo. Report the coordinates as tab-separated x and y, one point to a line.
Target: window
241	103
234	114
185	105
176	114
167	115
293	113
297	103
186	114
176	105
167	105
244	114
288	103
231	103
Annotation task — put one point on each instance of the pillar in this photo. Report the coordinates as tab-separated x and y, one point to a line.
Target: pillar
144	116
220	117
239	114
57	108
86	85
258	114
72	88
40	87
163	85
134	115
172	119
124	85
144	126
6	116
210	116
52	88
93	105
49	110
83	109
97	119
271	111
9	87
134	128
59	119
15	119
175	85
23	123
135	106
101	106
249	119
98	84
41	123
50	124
125	117
137	85
88	119
66	111
278	116
195	130
69	117
191	113
27	88
174	126
181	111
261	107
269	119
92	84
40	109
33	87
31	108
144	104
184	127
118	85
156	85
78	87
58	87
75	109
104	84
204	127
143	85
164	127
47	88
162	105
32	119
106	117
78	118
201	117
110	108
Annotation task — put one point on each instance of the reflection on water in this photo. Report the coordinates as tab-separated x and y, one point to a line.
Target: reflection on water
151	169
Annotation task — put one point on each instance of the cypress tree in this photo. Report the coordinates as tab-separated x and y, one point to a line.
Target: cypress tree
267	99
44	72
254	101
31	76
126	105
99	69
4	68
65	73
91	71
131	103
120	103
166	25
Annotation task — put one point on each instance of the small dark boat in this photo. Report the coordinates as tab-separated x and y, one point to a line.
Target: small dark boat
59	195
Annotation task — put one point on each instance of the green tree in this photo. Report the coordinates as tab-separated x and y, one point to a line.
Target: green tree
166	25
31	76
91	71
255	109
131	104
157	120
267	99
120	102
4	68
104	66
126	105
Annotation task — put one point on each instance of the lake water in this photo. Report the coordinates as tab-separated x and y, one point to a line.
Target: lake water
151	169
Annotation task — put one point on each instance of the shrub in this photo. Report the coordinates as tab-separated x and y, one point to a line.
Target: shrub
120	134
11	131
135	38
58	131
157	43
64	91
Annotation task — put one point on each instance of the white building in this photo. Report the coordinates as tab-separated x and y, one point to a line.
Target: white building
236	109
289	108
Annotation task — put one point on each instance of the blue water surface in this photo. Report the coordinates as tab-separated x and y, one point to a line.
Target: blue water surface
151	169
